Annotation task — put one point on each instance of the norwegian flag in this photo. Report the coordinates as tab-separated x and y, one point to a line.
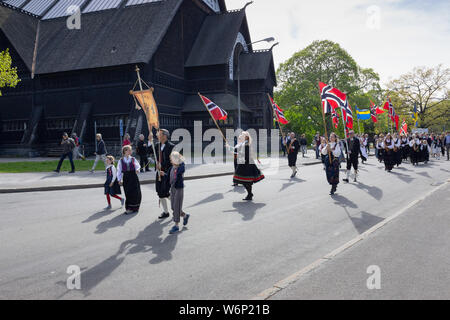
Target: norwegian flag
348	115
395	118
388	105
404	129
216	112
335	118
278	113
332	98
373	112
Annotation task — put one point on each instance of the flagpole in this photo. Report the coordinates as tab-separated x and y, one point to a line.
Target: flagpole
345	131
326	133
200	96
279	125
150	129
357	116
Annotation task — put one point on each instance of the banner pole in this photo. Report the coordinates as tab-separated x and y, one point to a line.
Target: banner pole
151	129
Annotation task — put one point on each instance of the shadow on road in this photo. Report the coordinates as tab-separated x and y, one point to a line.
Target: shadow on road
404	177
211	198
425	174
148	240
118	221
246	209
373	191
365	221
99	215
291	183
343	202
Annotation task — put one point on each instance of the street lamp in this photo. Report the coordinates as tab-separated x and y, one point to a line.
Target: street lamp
268	40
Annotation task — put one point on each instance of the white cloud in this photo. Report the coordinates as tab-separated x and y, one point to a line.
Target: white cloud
411	33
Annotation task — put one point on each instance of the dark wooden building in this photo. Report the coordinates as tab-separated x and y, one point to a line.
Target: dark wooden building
72	78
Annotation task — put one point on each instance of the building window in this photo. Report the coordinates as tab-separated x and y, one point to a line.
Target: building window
60	124
17	125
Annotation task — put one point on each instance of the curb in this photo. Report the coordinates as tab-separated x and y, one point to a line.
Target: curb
100	185
145	182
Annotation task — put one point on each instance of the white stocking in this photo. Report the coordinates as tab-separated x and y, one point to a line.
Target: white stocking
164	205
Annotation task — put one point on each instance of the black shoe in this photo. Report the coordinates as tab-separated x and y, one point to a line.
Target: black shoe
333	190
71	171
56	171
164	216
346	180
249	197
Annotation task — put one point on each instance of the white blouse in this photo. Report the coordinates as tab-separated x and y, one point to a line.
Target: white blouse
336	151
127	161
388	144
114	172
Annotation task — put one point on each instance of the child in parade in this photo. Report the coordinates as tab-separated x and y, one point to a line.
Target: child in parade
388	146
332	150
127	174
112	187
176	175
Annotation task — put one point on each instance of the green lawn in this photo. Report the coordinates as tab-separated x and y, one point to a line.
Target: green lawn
48	166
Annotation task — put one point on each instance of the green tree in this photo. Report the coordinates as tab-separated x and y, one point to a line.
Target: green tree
8	74
322	61
427	88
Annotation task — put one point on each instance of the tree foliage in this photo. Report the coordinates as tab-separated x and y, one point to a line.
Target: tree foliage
322	61
427	88
8	74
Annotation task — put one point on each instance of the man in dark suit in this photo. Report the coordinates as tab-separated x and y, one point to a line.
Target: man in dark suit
353	150
163	150
142	151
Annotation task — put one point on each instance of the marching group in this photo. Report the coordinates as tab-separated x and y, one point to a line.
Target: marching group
390	149
170	165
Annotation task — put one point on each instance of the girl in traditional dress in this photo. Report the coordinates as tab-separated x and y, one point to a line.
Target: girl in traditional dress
323	145
404	147
127	173
176	175
363	146
397	151
436	147
380	148
112	187
247	173
424	152
388	146
332	150
414	150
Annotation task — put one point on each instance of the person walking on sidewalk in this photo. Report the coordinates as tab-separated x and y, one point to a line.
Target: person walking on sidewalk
176	178
68	145
112	187
100	153
76	150
126	140
447	145
303	145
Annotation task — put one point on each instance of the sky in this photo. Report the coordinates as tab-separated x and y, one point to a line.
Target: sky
390	36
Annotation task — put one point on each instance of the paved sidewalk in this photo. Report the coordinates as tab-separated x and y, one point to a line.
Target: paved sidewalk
32	182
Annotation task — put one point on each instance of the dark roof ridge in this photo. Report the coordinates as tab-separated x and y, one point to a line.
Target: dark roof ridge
6	5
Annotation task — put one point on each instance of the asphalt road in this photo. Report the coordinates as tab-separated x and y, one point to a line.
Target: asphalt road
230	250
411	255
